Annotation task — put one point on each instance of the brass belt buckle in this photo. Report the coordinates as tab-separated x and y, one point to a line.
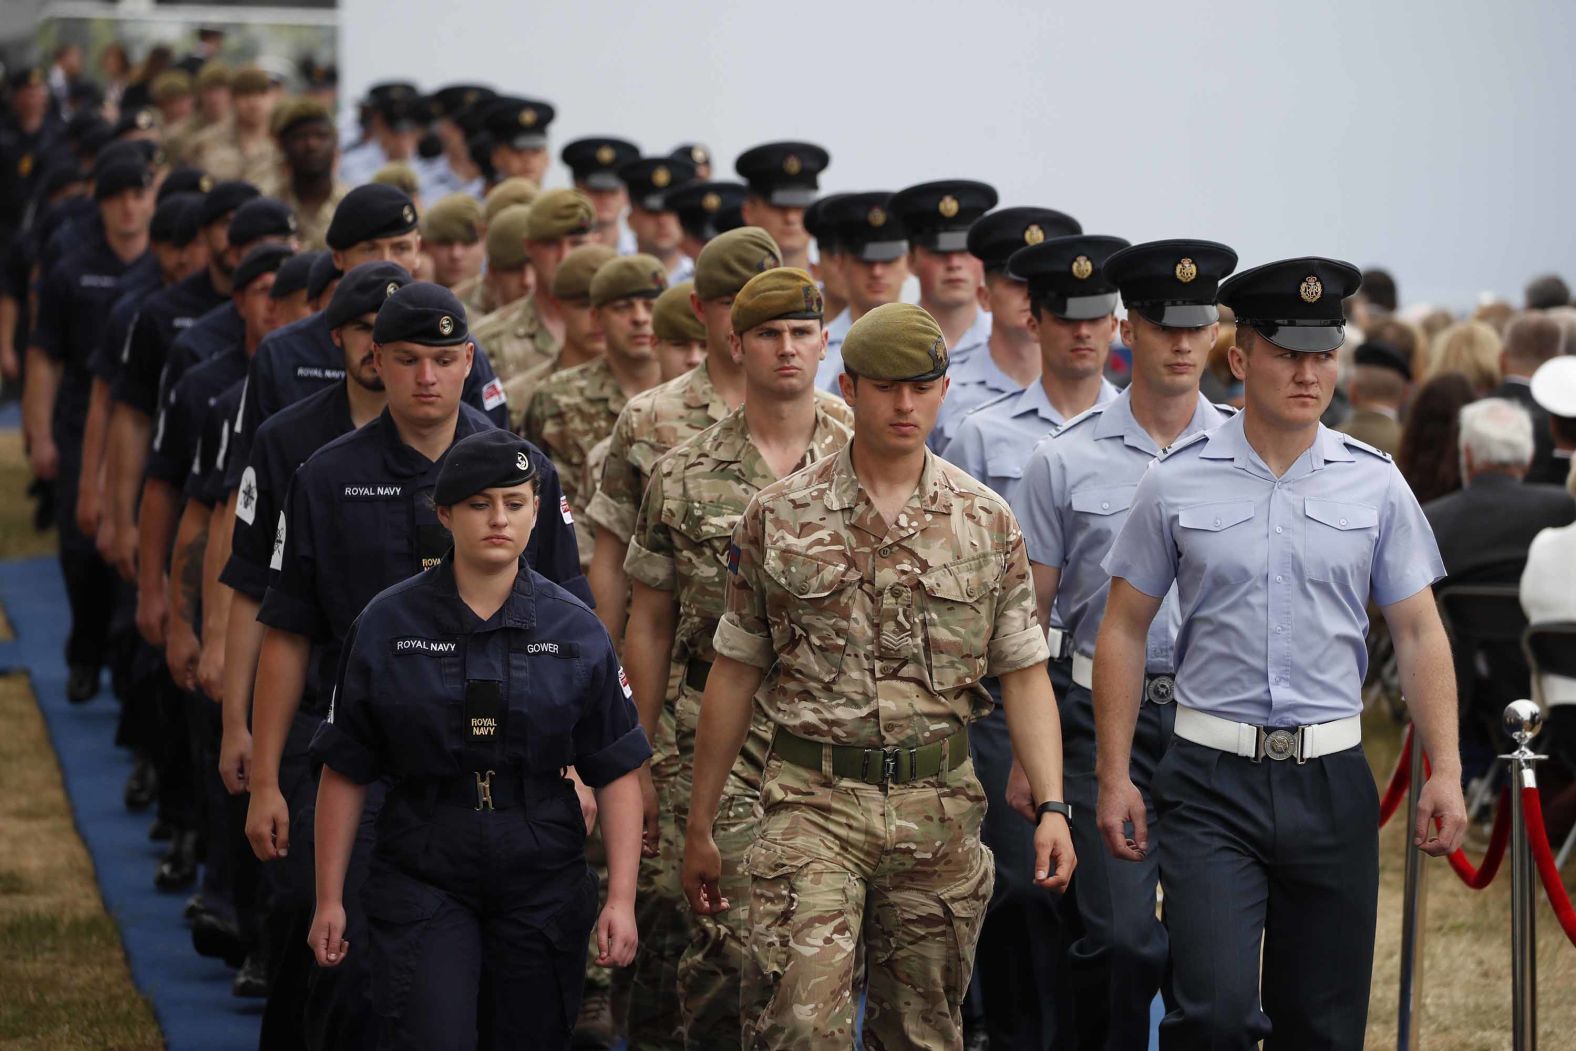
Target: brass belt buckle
1280	745
484	799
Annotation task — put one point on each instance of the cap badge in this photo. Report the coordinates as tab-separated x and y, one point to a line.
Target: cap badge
1082	268
660	177
205	184
792	165
876	217
947	206
1187	270
1033	235
711	202
290	222
24	167
605	154
143	119
160	158
409	214
699	156
1311	291
390	289
446	325
522	462
471	96
528	118
659	280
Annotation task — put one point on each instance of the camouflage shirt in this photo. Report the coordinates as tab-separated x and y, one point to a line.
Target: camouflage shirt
521	386
568	414
878	635
217	151
476	296
515	338
313	222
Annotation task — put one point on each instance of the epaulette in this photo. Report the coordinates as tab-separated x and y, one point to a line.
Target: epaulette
997	400
1192	439
1087	414
1364	446
1225	410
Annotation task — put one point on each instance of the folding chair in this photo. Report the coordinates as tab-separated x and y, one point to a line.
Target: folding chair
1550	649
1485	623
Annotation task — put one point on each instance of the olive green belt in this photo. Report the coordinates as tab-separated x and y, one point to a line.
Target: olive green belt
875	766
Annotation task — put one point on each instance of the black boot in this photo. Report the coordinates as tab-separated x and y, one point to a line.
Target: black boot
216	937
142	787
251	981
82	683
178	868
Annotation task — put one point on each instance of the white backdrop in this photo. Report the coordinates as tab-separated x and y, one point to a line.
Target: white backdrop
1433	138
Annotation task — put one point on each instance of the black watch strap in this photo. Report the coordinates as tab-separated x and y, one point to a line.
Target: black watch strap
1053	806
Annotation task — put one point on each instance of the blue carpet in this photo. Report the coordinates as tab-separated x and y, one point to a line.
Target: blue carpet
190	995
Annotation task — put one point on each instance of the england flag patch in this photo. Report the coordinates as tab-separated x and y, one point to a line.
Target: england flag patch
493	395
563	509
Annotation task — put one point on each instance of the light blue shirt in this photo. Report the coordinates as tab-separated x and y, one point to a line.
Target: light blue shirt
1273	575
993	442
1075	494
682	271
974	382
975	337
831	366
444	181
360	163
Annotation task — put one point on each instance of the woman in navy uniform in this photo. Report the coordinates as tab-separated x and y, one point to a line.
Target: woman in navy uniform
471	686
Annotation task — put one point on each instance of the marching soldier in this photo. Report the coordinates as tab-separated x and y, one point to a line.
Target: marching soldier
783	182
872	257
595	164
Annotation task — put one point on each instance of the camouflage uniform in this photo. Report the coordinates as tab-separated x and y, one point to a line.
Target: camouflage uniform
521	386
874	636
477	296
313	223
515	338
218	152
694	500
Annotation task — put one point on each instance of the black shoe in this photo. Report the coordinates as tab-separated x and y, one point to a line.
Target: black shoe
82	684
195	906
218	938
142	787
161	831
251	981
178	869
976	1040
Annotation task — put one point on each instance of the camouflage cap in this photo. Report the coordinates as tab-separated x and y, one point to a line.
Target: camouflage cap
296	111
398	174
559	213
896	341
673	318
637	276
516	189
572	282
506	237
250	80
732	258
172	84
781	292
456	218
213	75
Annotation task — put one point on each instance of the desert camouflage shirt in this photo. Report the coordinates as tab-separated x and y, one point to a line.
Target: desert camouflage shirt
568	414
515	338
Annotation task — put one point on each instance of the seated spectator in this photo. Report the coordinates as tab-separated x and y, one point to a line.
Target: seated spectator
1553	388
1471	348
1530	340
1485	529
1428	459
1547	290
1377	389
1376	300
1496	314
1404	336
1548	593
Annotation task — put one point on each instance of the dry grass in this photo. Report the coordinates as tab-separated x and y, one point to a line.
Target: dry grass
18	539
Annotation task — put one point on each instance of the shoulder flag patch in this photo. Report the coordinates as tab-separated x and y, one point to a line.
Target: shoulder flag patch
623	682
563	509
493	395
733	559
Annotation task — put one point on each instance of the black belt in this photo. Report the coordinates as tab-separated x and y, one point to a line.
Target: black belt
494	789
875	766
695	673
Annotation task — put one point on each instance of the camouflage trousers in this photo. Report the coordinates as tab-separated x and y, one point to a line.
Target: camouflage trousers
840	872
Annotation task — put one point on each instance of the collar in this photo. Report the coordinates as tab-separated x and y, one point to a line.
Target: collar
456	618
402	460
1230	442
934	492
701	393
1033	399
1492	480
730	441
1115	419
838	327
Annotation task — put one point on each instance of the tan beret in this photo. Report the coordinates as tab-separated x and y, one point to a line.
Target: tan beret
896	341
672	317
781	292
295	111
506	237
732	258
516	189
455	218
213	75
172	84
557	214
400	174
250	80
637	276
572	282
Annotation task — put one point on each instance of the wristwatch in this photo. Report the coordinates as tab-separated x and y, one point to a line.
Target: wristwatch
1054	806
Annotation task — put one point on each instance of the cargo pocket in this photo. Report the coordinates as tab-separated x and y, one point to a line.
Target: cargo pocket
965	902
399	909
569	931
799	909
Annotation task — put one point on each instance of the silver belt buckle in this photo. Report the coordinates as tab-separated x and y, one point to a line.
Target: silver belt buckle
1279	745
484	799
1161	689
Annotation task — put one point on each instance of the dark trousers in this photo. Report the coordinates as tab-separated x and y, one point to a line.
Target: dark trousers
1019	988
288	896
1279	851
1117	960
180	796
91	583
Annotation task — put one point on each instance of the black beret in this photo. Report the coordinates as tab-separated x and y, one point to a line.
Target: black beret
145	119
1067	274
937	215
699	204
490	459
994	237
864	227
784	173
259	218
185	179
1172	283
119	176
364	291
518	123
650	178
82	122
262	259
323	274
368	212
25	77
57	177
295	274
224	198
94	139
1296	304
175	219
137	151
1384	356
422	313
595	161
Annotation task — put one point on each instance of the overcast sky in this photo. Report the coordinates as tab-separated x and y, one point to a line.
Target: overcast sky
1433	138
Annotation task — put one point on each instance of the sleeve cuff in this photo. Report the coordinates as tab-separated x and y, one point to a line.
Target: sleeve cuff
1150	586
734	642
648	567
610	516
334	748
243	576
1021	649
288	613
611	763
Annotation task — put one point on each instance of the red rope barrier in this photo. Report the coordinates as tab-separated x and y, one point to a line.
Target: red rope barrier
1400	781
1538	839
1478	878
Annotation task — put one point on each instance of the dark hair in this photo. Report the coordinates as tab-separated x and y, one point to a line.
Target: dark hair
1379	289
1428	457
1547	290
1563	429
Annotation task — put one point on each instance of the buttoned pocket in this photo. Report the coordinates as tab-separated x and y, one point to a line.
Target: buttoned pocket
1101	511
1004	464
1338	540
810	612
1219	538
958	600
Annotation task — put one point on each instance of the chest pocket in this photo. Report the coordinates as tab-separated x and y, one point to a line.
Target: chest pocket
547	683
959	602
376	519
1005	465
1102	510
425	711
1338	541
1218	542
710	527
810	612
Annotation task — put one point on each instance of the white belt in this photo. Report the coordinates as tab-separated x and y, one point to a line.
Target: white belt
1158	689
1060	642
1254	742
1083	671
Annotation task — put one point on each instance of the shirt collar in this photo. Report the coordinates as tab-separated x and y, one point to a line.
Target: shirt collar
1229	442
934	491
455	617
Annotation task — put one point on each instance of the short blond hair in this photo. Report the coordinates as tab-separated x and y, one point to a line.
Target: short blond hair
1471	348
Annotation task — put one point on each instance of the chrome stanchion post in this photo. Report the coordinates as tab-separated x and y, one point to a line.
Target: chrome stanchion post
1523	720
1409	1009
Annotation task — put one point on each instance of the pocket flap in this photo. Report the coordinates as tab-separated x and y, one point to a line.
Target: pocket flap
1108	500
770	861
1004	463
804	576
1215	516
962	581
1340	515
706	521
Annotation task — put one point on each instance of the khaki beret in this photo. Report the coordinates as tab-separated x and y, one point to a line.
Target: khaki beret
456	217
250	80
295	111
638	276
557	214
399	174
516	189
506	237
672	317
896	341
781	292
172	84
213	75
731	259
572	282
